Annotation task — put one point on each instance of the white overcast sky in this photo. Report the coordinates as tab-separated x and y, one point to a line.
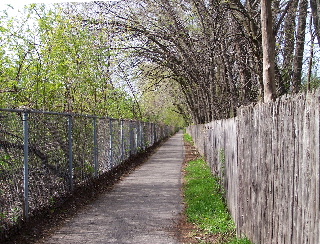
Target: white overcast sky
21	3
24	2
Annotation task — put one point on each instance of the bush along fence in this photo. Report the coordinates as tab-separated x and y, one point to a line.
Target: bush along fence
268	161
44	155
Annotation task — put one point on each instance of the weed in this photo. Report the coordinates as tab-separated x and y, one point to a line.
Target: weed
188	138
222	156
15	214
3	216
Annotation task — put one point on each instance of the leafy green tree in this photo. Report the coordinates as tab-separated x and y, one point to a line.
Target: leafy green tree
52	60
161	98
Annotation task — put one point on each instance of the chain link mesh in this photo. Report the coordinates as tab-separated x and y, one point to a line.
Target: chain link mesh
11	169
64	151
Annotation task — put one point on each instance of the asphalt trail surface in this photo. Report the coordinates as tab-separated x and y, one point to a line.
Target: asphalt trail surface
142	208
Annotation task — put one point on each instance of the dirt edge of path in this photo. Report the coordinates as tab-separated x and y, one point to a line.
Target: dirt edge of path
187	231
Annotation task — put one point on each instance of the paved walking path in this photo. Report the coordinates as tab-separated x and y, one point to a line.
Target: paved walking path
143	208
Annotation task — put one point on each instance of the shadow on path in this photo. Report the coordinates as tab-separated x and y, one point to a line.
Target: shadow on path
143	208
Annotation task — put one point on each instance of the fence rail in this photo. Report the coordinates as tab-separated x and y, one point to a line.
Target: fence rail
268	158
44	155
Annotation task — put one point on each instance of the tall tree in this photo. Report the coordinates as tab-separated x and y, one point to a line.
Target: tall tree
288	46
52	60
268	43
315	7
161	98
190	40
217	68
300	44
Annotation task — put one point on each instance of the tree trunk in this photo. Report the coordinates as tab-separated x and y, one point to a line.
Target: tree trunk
315	7
311	54
298	57
268	44
288	49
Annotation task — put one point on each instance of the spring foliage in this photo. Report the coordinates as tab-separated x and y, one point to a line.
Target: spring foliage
51	60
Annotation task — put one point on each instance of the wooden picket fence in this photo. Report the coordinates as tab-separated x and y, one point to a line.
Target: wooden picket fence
268	161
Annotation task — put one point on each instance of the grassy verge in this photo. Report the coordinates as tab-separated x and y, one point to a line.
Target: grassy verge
187	138
205	206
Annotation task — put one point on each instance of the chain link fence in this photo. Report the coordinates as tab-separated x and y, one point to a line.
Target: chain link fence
44	156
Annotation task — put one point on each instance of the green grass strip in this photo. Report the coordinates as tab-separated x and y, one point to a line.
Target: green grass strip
205	204
187	138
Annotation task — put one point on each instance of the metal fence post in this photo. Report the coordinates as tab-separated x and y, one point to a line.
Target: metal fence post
111	143
143	135
135	137
140	135
131	138
122	140
70	141
26	166
155	133
95	147
151	134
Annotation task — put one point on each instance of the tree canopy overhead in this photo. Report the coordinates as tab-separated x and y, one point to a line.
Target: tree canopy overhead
128	58
213	49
